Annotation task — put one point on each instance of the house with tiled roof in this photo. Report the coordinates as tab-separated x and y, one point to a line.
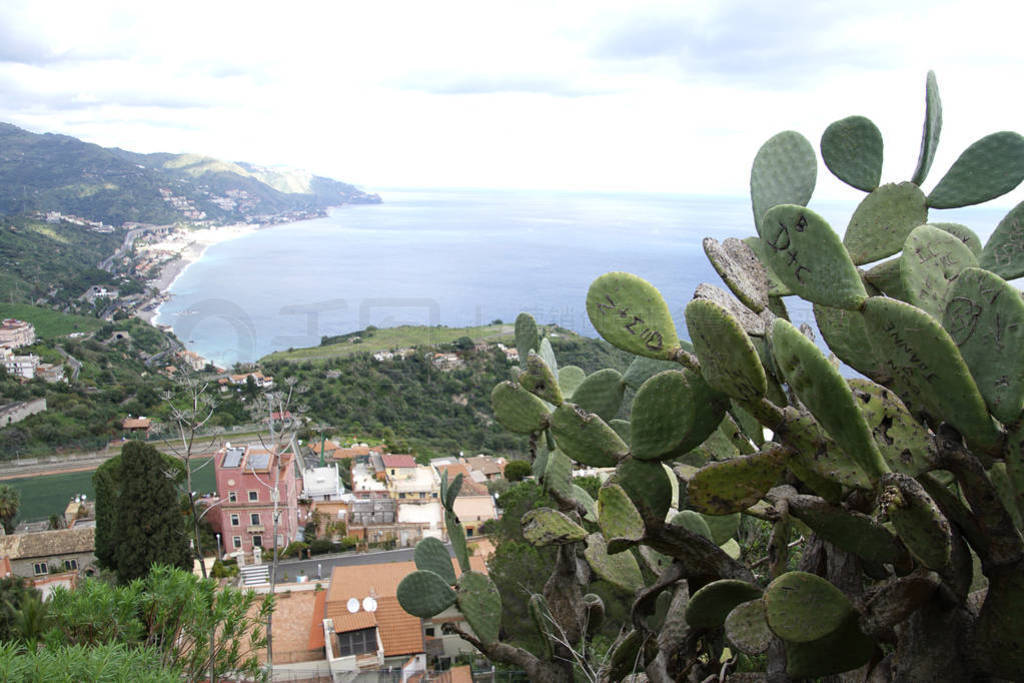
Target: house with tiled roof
136	425
42	555
487	466
358	639
474	505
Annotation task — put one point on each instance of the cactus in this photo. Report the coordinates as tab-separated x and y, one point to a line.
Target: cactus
897	494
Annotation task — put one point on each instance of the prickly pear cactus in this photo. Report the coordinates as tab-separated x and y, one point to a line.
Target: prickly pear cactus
883	502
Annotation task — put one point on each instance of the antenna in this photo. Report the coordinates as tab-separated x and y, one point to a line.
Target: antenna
353	605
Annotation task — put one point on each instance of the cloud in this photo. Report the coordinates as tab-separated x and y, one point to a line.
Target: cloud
486	84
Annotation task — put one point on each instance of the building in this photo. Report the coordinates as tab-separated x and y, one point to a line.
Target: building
322	483
474	504
136	426
15	333
485	466
19	366
246	478
40	554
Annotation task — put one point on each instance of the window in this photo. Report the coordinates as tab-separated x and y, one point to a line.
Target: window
236	541
357	642
232	497
280	540
254	518
257	541
70	565
254	496
234	520
41	568
430	632
401	495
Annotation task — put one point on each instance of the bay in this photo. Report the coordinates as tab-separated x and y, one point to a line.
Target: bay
455	258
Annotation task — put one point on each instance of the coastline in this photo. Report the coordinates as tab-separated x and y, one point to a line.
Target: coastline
189	248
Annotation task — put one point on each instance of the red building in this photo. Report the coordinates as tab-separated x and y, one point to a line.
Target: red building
246	478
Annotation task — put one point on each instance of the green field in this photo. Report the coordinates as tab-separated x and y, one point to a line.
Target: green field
49	323
45	495
389	339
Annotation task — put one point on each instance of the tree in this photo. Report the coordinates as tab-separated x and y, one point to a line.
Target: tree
10	501
517	470
906	484
147	518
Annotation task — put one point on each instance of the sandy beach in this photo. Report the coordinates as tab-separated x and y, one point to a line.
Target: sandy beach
190	247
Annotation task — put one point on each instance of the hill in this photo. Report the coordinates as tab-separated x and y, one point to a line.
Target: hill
49	172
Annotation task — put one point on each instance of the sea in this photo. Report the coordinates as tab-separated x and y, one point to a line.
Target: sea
457	258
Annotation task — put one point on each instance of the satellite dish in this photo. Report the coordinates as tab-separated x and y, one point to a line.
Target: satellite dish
353	605
369	604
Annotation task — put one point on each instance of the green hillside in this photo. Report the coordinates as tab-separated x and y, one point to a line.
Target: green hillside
50	323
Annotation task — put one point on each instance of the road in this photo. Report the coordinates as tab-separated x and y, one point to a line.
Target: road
321	565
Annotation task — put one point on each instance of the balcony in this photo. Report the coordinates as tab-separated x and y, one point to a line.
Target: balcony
255	529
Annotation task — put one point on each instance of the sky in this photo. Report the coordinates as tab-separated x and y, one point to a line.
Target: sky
595	96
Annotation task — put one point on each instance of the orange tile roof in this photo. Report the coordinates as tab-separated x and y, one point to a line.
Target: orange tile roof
392	460
469	486
344	621
135	423
400	632
457	674
316	627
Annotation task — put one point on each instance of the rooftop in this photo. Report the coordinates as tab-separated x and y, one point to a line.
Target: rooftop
470	487
398	461
80	539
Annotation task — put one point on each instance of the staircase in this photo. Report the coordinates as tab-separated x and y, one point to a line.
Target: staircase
254	575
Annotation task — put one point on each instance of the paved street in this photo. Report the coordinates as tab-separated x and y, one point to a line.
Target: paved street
321	565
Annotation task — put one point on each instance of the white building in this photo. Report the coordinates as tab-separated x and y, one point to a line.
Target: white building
322	483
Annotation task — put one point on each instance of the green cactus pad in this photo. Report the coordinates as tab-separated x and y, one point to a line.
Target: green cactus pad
517	409
846	334
570	377
649	485
784	172
751	323
709	606
452	492
806	254
882	221
844	649
732	549
541	615
432	555
526	336
721	488
479	601
989	168
887	278
776	288
722	527
585	437
619	570
852	150
747	628
547	354
424	594
818	460
802	607
544	526
601	393
999	630
594	611
457	536
622	428
729	362
654	560
849	530
674	411
580	495
693	522
642	369
918	520
539	380
932	260
905	444
619	519
747	423
1000	479
626	658
540	463
964	234
558	474
825	393
630	313
932	128
740	269
1004	252
985	318
926	365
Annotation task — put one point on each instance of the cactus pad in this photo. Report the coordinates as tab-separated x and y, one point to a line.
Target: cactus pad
547	354
964	234
932	128
852	531
585	437
674	411
620	570
741	269
989	168
985	318
852	150
580	495
750	322
526	336
601	393
630	313
709	606
844	649
539	379
424	594
999	632
432	555
517	409
887	278
693	522
620	521
806	254
722	527
932	260
542	620
570	377
480	603
904	443
818	460
457	536
926	365
544	527
720	488
558	474
825	393
649	485
776	288
802	607
1004	252
729	362
784	172
747	629
846	334
918	520
880	224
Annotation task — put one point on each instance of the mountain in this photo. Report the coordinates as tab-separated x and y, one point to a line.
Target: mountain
50	172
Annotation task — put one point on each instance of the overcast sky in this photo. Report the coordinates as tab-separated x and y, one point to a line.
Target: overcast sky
592	95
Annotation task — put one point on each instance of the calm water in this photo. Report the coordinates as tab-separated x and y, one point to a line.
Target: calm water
456	258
